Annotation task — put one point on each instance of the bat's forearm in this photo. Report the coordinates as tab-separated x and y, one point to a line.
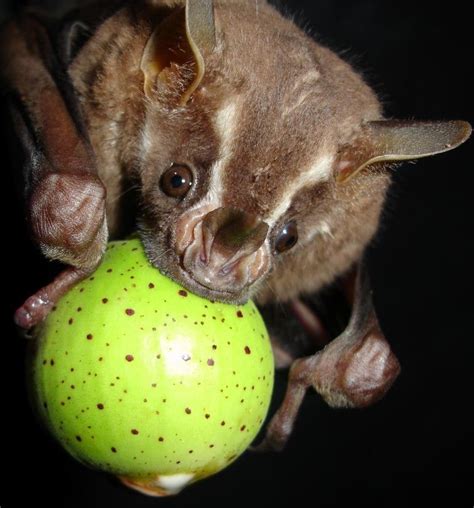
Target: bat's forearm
65	199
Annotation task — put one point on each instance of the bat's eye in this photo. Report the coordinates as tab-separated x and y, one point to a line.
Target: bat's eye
177	181
287	238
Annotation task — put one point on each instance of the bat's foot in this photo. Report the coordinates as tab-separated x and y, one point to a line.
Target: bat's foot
354	370
350	372
38	306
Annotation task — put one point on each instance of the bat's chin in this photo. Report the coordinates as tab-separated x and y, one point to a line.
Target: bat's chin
186	279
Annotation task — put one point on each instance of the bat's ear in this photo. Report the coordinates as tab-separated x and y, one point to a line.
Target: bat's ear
172	61
392	140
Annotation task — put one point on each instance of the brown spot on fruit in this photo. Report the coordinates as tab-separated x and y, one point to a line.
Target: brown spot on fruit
129	358
51	362
242	428
71	321
182	292
247	350
222	423
114	450
239	314
89	336
210	362
100	406
161	439
129	312
109	270
134	432
187	411
78	438
105	300
79	309
151	285
207	416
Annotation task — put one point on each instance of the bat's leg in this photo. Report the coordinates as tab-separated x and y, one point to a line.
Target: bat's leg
354	370
38	306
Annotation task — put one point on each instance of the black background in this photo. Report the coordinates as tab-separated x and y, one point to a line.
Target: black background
416	443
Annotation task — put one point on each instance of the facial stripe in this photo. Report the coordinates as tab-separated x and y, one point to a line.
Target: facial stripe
318	172
225	124
323	228
146	141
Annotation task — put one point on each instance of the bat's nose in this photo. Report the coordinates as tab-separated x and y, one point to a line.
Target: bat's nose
226	254
231	234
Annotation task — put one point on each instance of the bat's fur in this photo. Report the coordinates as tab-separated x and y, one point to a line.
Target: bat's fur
274	143
275	130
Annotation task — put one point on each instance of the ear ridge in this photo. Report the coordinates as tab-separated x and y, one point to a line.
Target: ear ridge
201	32
398	140
179	40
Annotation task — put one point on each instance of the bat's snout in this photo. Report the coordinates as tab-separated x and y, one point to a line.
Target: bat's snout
227	251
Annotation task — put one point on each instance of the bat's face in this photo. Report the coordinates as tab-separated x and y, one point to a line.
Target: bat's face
243	174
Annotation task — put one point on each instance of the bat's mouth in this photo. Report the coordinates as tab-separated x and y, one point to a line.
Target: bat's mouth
188	281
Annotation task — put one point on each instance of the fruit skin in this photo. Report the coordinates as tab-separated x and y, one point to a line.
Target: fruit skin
138	377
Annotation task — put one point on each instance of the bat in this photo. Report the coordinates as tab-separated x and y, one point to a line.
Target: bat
259	162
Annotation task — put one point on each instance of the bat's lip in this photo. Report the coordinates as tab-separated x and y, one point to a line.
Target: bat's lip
187	280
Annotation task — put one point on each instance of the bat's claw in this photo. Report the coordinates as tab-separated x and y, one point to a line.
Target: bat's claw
32	312
38	306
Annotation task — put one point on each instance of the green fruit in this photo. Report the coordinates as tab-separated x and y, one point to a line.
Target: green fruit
138	377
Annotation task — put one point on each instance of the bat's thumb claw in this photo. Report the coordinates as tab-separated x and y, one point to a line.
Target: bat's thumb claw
23	318
32	312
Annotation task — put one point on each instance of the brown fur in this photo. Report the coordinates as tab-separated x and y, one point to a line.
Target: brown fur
106	74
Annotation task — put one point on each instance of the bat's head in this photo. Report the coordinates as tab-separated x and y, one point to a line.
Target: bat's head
250	130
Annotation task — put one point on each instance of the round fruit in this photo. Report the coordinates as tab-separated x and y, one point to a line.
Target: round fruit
138	377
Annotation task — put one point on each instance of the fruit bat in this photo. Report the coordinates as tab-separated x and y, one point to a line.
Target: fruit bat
258	162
